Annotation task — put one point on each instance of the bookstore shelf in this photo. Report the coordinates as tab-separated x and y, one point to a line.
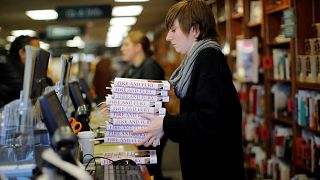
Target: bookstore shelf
276	9
282	120
237	16
309	129
274	33
310	86
279	80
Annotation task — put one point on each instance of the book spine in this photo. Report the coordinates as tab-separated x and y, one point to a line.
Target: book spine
144	91
121	115
134	109
124	134
122	140
110	127
130	122
141	83
140	97
123	102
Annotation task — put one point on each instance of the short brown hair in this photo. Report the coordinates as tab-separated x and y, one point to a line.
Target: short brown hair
193	13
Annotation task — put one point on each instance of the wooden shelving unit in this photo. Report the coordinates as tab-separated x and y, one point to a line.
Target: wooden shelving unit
235	25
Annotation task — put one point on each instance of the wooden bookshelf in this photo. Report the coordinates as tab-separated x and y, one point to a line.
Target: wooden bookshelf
237	26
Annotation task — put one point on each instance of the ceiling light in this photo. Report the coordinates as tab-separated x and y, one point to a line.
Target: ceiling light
76	42
46	14
134	10
26	32
131	0
10	38
123	21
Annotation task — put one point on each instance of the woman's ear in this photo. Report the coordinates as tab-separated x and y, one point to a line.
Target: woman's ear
22	54
195	31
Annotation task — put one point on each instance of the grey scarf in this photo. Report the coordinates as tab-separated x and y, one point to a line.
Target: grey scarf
181	76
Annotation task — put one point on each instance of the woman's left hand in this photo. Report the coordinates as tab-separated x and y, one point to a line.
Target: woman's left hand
154	131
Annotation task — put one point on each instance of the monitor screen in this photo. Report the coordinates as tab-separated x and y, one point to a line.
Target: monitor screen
85	90
75	94
53	113
39	73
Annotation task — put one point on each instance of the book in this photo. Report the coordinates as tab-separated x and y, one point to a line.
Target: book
110	133
142	83
124	102
121	140
130	122
255	12
139	156
144	91
110	127
137	109
139	97
121	115
247	63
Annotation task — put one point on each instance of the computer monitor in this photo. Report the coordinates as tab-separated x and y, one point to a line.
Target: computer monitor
56	121
81	110
85	91
39	74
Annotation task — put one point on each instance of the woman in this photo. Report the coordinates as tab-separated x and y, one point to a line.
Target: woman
136	51
210	111
12	70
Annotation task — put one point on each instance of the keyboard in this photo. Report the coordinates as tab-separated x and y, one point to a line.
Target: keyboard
118	172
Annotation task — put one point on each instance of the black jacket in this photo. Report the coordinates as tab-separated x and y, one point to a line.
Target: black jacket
210	116
148	69
11	81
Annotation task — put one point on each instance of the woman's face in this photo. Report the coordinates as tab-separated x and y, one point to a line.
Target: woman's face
179	40
128	50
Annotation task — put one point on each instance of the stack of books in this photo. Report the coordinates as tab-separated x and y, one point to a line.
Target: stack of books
129	99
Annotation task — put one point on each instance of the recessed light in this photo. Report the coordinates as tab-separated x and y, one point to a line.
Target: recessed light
46	14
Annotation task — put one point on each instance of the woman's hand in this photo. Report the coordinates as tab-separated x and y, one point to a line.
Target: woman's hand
154	131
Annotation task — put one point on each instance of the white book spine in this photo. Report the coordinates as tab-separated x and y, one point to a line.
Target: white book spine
110	127
140	157
124	134
142	83
144	91
123	102
131	122
140	97
122	140
136	109
121	115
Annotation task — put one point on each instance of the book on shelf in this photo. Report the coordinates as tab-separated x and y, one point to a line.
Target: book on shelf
139	97
130	122
139	156
255	12
247	60
124	102
142	83
131	90
137	109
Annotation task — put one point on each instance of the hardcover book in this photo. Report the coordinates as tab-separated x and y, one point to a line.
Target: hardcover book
139	156
130	122
144	91
140	97
124	102
135	109
142	83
